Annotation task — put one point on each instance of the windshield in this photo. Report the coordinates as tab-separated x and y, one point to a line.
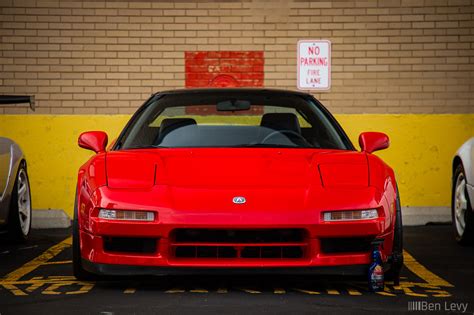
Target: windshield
210	120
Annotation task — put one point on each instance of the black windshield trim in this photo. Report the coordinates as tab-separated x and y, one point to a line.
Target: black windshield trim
311	100
118	144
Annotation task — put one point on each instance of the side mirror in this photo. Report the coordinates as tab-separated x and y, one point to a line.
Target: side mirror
373	141
93	140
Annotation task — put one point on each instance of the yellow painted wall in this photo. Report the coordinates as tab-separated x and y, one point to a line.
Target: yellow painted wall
421	151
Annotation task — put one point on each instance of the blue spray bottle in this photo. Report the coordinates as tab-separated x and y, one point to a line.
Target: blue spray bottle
376	277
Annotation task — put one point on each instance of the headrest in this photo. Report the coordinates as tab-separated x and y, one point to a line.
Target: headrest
281	121
170	124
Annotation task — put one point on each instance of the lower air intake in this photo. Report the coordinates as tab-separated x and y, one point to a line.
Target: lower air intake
130	245
239	244
346	245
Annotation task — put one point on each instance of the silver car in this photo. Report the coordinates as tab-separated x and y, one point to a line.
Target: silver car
463	193
15	195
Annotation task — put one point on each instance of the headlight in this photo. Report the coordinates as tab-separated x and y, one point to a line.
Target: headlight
350	215
130	215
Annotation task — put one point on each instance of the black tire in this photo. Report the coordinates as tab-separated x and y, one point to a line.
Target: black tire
396	260
467	238
14	231
79	272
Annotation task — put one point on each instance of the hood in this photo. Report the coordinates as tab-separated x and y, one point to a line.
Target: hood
232	168
205	181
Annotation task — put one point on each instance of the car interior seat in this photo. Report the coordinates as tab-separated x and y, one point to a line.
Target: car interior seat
281	121
169	125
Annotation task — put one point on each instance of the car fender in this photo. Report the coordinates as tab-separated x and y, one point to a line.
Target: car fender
13	157
91	176
382	177
466	155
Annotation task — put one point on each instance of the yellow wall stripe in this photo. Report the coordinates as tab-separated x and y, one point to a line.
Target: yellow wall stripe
421	151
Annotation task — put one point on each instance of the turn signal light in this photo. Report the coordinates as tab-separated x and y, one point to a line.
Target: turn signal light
129	215
350	215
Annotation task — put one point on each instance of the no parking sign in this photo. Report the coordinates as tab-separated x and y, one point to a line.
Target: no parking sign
314	65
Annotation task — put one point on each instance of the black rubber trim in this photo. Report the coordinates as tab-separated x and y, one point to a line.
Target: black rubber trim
18	99
127	270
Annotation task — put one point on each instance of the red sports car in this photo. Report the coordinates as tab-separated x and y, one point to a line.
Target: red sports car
234	180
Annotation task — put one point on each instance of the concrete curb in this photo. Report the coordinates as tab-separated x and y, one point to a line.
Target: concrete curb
50	219
57	218
424	215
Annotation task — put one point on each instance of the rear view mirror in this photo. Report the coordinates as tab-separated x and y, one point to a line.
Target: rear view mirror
93	140
373	141
233	105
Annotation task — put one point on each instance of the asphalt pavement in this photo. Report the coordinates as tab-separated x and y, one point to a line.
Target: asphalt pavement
36	278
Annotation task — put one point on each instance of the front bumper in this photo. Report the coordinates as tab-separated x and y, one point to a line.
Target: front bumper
99	260
133	270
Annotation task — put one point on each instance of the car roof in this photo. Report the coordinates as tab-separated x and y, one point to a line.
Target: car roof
233	90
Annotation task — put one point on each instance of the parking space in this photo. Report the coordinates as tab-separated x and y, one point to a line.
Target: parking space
436	270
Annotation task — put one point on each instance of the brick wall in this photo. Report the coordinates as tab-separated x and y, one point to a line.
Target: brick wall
106	57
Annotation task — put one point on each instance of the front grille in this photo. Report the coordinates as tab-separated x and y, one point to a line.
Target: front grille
238	236
239	244
346	245
205	252
273	252
130	245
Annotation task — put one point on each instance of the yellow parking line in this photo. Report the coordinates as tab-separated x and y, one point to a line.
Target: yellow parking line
410	292
175	290
130	291
54	287
70	278
385	293
34	286
198	291
38	261
86	287
439	293
250	291
13	289
39	281
353	291
307	291
32	265
51	290
422	272
58	262
53	283
332	292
